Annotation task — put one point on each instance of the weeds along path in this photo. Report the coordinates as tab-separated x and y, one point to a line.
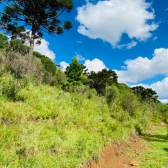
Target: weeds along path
148	150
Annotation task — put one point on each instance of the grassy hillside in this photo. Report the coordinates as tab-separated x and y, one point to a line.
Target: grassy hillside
42	125
47	127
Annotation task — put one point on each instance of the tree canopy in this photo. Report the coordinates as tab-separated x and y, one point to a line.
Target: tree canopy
101	79
145	94
42	16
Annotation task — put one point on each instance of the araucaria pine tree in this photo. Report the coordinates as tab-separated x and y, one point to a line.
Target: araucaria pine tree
74	71
41	15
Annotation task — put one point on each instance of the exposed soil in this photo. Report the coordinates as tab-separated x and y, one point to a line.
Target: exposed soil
116	155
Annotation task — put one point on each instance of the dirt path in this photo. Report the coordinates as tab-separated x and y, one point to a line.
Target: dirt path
117	155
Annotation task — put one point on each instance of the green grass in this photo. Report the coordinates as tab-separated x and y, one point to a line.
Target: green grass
43	126
47	127
157	156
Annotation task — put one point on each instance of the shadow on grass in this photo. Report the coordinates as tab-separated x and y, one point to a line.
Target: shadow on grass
166	149
157	138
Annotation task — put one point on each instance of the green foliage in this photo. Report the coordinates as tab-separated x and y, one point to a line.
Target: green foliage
85	80
17	46
25	12
64	128
74	72
48	64
156	154
60	77
145	94
129	103
112	93
9	86
92	93
101	79
164	112
3	41
123	88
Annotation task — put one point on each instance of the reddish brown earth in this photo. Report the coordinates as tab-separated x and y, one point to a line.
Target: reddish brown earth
116	155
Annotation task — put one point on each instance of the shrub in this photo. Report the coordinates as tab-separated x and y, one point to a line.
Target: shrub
82	89
9	86
129	103
112	93
92	93
47	63
60	77
138	127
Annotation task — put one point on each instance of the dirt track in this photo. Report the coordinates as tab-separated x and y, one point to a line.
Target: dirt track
116	155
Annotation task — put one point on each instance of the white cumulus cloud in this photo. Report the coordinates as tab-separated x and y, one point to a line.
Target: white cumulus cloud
141	68
164	101
94	65
64	65
109	19
43	48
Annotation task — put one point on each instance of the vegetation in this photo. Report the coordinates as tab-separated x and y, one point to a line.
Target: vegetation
101	79
74	72
65	118
40	15
158	140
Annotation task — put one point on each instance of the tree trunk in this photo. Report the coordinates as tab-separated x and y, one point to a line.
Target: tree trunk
31	50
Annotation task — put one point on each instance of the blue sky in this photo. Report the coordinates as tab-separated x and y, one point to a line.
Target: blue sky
128	36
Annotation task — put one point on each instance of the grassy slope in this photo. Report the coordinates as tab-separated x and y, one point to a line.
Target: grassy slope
157	157
51	128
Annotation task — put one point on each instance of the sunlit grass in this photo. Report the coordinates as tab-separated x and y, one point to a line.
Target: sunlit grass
157	156
47	127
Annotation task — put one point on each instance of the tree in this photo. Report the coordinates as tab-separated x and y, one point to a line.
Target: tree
74	71
101	79
3	41
41	15
145	94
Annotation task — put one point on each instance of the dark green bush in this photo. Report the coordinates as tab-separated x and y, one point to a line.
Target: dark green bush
48	64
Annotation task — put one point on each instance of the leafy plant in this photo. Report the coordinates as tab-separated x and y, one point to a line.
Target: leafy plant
112	93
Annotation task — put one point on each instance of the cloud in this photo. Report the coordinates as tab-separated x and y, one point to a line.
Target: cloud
128	46
109	19
155	38
43	48
64	65
79	57
161	87
79	42
94	65
164	101
141	68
